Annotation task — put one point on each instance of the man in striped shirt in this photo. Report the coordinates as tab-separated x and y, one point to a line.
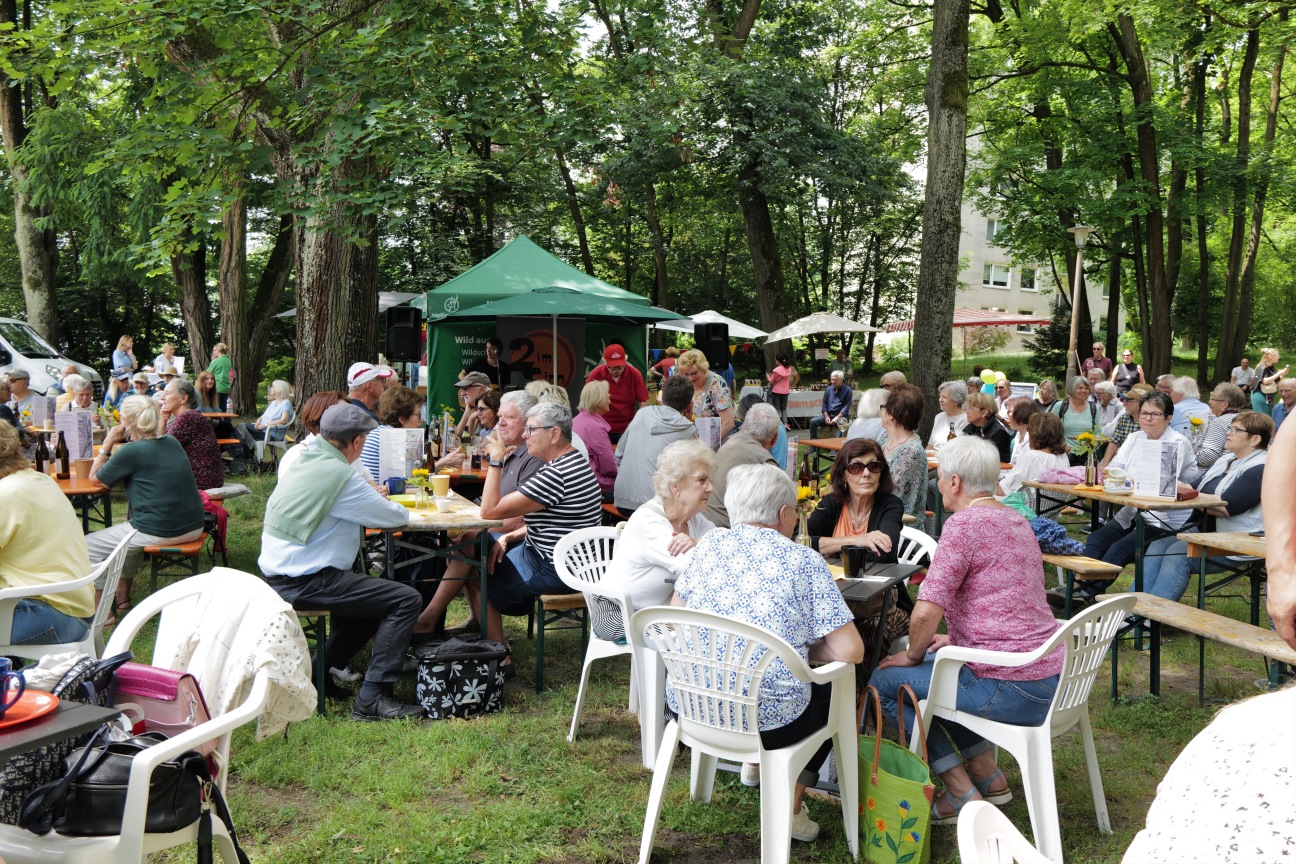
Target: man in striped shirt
561	497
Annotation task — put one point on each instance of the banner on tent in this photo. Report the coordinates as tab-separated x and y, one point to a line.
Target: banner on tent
532	354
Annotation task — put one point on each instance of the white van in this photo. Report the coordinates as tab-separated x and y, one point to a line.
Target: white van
21	347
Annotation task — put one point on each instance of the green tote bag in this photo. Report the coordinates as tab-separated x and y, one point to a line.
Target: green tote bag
896	792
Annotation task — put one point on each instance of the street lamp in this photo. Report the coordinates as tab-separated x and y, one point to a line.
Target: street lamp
1081	233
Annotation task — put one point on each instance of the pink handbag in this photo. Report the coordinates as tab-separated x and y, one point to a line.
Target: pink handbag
167	701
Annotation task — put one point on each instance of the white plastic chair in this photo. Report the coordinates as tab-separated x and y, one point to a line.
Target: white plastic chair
916	547
715	665
92	642
581	559
18	846
985	836
1086	638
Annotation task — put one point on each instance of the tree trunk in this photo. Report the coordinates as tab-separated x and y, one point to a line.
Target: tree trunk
270	291
1199	221
1157	347
947	96
660	286
189	271
1228	347
573	204
1112	336
37	248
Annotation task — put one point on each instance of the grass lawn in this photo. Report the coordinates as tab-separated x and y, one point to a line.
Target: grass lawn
509	788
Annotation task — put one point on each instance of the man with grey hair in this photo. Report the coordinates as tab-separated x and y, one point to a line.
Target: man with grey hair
755	574
748	446
561	497
1109	407
836	405
1165	383
516	468
21	394
1187	405
1286	402
650	430
314	522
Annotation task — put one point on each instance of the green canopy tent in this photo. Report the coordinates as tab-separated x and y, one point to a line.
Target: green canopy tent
519	268
524	314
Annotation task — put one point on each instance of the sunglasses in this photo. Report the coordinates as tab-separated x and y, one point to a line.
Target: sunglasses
860	467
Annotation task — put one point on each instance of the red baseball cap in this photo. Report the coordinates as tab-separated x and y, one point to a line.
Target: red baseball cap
614	355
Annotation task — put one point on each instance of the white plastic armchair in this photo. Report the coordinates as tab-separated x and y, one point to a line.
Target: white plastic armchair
18	846
916	547
92	642
581	559
985	836
715	665
1085	638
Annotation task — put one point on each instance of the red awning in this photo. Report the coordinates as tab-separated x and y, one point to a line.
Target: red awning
977	318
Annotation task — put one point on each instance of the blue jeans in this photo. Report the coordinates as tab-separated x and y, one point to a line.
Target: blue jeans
521	576
1169	572
1021	703
35	622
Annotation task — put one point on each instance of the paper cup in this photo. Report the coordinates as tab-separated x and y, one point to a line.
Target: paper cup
440	485
443	505
81	467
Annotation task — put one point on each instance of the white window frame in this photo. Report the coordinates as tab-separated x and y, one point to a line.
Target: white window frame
1025	329
1021	280
993	227
988	271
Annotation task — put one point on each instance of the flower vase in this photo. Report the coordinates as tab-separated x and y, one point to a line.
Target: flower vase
420	497
1091	470
803	532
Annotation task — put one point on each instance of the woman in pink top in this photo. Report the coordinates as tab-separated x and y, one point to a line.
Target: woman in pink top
595	432
780	384
987	581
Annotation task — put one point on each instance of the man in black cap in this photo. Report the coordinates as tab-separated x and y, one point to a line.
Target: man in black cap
311	534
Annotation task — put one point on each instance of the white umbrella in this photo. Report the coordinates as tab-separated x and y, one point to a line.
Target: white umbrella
386	300
820	322
737	329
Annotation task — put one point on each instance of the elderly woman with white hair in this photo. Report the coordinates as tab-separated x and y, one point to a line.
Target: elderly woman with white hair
164	505
1109	407
273	423
754	573
868	417
952	418
80	398
657	541
991	596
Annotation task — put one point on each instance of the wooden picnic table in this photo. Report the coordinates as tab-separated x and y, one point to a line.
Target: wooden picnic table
1218	544
83	494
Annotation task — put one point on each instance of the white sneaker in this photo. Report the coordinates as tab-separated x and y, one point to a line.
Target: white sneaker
346	675
804	828
751	774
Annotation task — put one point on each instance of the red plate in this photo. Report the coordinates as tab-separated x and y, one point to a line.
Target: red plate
30	705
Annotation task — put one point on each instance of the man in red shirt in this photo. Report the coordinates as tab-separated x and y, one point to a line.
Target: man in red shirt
625	386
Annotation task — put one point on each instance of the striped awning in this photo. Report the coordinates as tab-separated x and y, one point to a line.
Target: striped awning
977	318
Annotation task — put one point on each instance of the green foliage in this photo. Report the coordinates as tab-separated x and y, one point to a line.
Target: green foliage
1048	346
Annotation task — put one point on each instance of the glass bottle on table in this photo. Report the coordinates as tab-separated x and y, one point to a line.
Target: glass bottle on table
62	459
42	455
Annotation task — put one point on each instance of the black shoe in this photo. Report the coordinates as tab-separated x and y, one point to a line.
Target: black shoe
385	708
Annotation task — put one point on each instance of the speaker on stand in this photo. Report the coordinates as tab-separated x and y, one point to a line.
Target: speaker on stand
404	333
713	341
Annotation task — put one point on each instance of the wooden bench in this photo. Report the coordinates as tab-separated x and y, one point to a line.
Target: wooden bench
551	609
160	556
1073	567
1204	625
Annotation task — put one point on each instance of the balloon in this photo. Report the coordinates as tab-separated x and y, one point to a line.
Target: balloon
999	376
988	376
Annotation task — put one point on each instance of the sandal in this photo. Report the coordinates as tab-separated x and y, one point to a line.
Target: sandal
1000	798
956	804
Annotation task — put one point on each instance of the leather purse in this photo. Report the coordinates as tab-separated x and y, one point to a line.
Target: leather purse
170	702
91	797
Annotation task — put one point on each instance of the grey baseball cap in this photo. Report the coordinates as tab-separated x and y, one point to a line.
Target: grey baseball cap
19	373
478	378
344	421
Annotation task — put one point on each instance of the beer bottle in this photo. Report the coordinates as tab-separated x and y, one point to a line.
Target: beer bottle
62	458
42	455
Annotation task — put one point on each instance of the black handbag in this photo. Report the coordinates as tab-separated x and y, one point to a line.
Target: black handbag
460	677
91	797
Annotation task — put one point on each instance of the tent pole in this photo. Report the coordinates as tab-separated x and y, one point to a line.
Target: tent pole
554	362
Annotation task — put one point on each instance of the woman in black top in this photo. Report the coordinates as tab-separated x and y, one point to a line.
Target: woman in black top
982	423
862	509
1127	373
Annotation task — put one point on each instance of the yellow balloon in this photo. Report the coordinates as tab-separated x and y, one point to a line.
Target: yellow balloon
988	376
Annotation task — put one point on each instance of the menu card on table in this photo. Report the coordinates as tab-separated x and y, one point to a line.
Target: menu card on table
1151	469
42	408
399	450
77	430
708	429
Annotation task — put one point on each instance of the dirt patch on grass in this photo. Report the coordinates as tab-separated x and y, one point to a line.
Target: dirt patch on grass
679	847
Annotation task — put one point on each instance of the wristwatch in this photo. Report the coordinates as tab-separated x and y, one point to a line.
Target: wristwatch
495	463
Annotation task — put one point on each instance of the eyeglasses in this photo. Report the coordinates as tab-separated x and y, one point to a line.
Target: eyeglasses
1150	415
873	467
1238	429
1216	399
528	431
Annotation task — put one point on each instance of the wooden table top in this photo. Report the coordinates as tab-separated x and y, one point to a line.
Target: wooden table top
1198	503
463	515
1223	543
464	475
834	444
219	415
73	486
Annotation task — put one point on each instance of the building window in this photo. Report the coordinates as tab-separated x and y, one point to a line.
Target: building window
1106	290
1102	324
1028	279
993	227
1026	328
995	276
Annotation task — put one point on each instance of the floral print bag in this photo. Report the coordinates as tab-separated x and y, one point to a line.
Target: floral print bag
460	677
896	791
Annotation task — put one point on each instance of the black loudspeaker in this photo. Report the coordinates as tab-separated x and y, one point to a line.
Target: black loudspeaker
404	333
713	341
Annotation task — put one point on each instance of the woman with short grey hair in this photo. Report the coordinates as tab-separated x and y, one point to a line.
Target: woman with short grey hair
194	432
868	417
550	415
952	418
272	425
753	573
658	539
1109	407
